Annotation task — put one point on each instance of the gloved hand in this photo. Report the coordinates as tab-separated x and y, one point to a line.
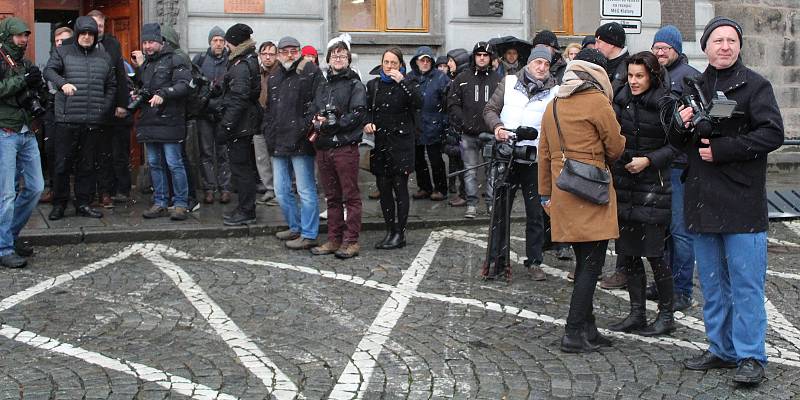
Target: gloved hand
33	78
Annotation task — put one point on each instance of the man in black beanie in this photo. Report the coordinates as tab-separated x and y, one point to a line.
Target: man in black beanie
241	119
725	203
610	40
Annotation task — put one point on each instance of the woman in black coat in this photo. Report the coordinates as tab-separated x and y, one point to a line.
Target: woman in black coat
642	182
392	101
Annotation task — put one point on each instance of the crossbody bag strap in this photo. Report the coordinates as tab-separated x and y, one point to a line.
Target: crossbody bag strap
558	129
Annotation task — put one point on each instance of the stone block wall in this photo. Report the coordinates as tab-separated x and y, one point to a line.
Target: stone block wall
771	46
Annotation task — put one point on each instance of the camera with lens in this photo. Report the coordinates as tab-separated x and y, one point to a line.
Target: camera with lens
508	150
141	95
31	102
706	114
331	116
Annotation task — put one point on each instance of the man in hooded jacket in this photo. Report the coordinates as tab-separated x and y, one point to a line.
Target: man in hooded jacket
85	76
432	123
19	152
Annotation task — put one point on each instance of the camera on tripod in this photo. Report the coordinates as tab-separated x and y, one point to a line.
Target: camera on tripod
508	150
706	114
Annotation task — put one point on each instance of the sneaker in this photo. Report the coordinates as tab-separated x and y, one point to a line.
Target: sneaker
536	273
471	212
178	214
269	195
287	235
23	249
155	212
457	201
749	372
106	201
13	260
326	248
421	194
300	243
348	250
617	281
681	302
437	196
239	218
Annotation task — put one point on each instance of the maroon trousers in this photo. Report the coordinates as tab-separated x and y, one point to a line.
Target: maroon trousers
338	171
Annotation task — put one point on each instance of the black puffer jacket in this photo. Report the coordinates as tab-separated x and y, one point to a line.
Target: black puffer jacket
241	87
644	197
90	71
729	194
345	92
288	110
167	75
114	49
392	108
462	60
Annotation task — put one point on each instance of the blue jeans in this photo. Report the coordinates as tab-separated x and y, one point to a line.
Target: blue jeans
304	220
174	162
732	269
19	164
681	252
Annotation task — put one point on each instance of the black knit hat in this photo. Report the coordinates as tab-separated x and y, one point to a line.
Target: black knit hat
593	56
237	34
612	33
151	33
716	23
546	37
587	40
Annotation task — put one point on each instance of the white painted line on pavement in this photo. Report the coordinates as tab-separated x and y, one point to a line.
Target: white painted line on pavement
355	378
166	380
784	275
245	349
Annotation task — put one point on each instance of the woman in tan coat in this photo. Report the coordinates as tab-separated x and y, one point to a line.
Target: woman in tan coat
591	135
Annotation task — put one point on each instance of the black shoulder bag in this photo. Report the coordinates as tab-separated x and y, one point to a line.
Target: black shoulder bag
581	179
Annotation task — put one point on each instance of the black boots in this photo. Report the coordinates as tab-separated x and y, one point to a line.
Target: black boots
593	336
385	239
664	323
395	238
637	318
576	342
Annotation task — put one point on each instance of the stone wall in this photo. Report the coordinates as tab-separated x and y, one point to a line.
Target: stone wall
771	45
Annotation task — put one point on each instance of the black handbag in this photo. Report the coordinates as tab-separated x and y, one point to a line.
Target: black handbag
581	179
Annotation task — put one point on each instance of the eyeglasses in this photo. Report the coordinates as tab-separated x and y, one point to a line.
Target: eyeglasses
338	57
482	55
657	49
293	52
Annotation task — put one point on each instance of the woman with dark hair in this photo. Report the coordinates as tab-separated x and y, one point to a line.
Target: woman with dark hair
392	101
641	178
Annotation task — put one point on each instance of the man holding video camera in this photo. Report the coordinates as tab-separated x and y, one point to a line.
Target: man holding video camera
20	81
725	201
519	103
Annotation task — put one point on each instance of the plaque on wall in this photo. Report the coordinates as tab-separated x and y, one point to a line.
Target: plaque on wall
485	8
244	6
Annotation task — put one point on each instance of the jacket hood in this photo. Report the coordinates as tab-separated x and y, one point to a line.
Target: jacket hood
376	70
422	51
348	73
242	48
461	57
171	36
86	24
8	28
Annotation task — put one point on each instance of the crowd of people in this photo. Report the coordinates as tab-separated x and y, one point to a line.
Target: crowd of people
270	120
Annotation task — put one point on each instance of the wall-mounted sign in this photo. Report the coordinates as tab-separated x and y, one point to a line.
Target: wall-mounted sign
244	6
622	8
630	25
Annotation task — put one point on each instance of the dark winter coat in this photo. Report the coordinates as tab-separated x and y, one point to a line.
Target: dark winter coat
679	69
288	110
345	92
462	59
391	107
91	71
167	75
618	71
729	194
114	49
644	197
468	95
213	69
241	86
12	114
557	67
433	87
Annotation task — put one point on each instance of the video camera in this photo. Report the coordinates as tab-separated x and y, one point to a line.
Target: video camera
508	150
706	114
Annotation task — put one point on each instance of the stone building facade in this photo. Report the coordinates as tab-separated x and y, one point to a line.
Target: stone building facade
772	28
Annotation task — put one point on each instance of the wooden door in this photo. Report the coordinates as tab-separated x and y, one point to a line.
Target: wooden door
22	9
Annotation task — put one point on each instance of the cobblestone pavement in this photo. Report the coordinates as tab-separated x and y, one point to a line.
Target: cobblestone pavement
245	318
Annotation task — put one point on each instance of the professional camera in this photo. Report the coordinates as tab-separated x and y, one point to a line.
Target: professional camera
141	96
330	114
30	101
706	114
508	150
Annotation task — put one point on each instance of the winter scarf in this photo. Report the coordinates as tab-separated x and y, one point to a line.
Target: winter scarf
581	75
